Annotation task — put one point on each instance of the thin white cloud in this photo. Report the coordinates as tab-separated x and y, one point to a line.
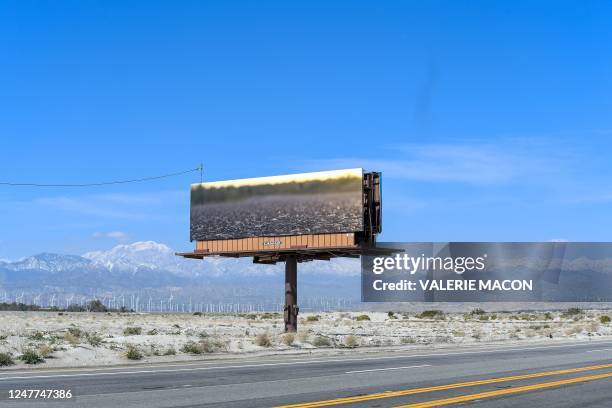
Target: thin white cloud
116	205
86	206
474	163
118	236
145	197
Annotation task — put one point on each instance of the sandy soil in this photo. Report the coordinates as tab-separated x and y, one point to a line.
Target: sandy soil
99	339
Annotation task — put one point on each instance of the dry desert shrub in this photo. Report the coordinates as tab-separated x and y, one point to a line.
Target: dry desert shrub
213	344
6	360
350	341
132	331
207	345
45	351
75	331
431	314
191	347
133	352
477	312
288	339
38	336
94	339
31	357
263	340
321	341
573	313
72	339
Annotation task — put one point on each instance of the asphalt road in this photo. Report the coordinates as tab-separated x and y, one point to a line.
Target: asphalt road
554	374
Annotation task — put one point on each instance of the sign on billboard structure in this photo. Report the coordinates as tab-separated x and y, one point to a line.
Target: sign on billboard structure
297	204
325	209
291	218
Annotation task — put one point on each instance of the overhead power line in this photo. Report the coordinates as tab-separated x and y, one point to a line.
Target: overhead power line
104	183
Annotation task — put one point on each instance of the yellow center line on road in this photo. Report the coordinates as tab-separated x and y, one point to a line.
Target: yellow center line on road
411	391
497	393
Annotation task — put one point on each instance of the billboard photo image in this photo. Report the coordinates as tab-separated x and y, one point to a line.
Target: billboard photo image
307	203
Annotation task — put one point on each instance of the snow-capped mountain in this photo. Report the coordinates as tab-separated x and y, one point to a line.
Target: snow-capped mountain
144	255
149	258
152	269
150	255
49	262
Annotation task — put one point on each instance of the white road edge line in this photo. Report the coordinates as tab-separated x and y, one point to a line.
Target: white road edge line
593	351
386	369
293	362
187	363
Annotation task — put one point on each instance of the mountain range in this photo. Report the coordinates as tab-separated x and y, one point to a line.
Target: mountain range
153	268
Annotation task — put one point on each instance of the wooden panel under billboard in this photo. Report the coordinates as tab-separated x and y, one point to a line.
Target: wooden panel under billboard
263	244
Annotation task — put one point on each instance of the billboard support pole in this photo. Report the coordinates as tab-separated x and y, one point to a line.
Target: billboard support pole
291	308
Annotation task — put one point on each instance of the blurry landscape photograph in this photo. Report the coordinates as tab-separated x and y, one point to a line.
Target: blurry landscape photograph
307	203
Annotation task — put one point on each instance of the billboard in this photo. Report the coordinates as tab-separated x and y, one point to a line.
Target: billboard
295	204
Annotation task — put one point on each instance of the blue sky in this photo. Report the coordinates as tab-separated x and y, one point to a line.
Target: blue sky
491	121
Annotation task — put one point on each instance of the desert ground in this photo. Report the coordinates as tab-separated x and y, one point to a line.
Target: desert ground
61	339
